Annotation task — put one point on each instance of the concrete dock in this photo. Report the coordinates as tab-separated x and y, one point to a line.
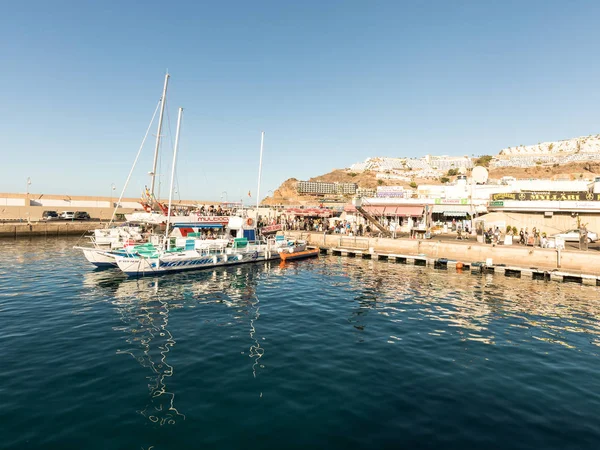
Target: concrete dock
511	261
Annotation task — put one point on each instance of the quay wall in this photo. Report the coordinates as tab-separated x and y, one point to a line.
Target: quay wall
49	229
34	213
29	207
541	258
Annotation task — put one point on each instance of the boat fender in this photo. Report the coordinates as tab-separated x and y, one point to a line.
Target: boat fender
459	265
249	221
239	257
215	259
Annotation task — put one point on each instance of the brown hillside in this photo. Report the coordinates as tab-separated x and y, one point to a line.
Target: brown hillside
364	179
286	193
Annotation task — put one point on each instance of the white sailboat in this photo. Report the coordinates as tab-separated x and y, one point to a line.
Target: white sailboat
109	241
244	248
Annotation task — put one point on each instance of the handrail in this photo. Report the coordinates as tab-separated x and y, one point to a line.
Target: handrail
385	232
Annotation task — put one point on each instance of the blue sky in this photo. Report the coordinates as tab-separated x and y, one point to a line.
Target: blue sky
330	82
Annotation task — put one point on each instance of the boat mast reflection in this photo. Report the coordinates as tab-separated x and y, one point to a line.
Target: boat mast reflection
145	315
243	287
144	306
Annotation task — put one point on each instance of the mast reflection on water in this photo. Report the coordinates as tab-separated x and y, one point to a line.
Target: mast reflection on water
145	304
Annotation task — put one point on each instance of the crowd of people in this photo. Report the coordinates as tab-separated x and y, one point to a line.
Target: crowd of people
535	237
321	225
213	211
208	210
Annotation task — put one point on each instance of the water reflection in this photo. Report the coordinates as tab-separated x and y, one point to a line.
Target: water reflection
391	303
474	307
144	312
145	304
236	288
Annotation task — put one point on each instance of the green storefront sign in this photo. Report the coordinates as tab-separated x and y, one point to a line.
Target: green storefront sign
497	203
451	201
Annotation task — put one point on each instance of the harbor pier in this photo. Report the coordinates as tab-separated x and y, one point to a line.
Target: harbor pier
511	261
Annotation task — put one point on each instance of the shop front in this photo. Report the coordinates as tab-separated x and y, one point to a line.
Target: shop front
401	218
451	217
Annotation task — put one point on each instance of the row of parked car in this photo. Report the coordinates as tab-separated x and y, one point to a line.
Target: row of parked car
65	215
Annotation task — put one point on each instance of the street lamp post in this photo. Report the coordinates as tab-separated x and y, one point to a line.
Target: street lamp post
112	190
270	206
27	203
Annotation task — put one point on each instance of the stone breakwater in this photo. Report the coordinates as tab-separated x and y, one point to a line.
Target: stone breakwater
467	252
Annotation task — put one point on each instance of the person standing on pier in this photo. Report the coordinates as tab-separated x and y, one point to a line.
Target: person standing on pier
521	237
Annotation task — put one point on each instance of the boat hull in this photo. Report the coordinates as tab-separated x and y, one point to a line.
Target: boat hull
99	257
299	255
135	266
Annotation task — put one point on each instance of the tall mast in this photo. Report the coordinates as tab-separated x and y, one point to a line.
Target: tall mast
173	174
262	140
160	121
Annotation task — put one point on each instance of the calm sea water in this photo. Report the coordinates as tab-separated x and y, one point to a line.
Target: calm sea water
327	353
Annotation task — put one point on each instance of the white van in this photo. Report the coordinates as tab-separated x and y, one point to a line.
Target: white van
67	215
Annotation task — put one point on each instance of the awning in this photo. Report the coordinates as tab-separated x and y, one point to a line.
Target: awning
394	211
308	212
409	211
452	210
455	214
375	210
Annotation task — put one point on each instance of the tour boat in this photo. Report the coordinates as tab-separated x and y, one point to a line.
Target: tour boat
153	261
195	253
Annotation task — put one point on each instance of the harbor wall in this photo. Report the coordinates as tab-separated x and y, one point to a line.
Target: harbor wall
49	229
541	258
30	207
34	213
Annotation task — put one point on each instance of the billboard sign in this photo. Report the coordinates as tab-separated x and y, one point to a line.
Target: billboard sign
547	196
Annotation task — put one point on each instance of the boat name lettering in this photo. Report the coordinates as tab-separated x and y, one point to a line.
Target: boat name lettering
195	262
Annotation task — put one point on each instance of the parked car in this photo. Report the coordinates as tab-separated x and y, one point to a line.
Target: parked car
573	236
67	215
49	215
81	215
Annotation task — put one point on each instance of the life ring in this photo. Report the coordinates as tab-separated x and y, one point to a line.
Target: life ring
249	221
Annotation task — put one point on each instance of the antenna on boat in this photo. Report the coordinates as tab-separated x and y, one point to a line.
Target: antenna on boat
173	175
160	121
262	140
